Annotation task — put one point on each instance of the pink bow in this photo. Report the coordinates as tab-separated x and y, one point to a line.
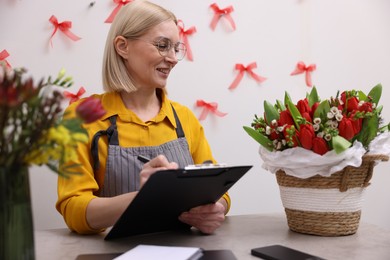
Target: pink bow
248	69
119	3
3	55
183	35
74	97
209	107
302	68
64	27
218	13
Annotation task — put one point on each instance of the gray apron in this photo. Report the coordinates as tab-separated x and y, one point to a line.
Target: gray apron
123	167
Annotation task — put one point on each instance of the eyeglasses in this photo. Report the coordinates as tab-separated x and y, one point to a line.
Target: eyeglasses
164	46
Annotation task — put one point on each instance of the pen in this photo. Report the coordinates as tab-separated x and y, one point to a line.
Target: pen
143	159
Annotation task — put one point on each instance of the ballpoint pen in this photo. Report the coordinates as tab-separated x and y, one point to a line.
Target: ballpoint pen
143	159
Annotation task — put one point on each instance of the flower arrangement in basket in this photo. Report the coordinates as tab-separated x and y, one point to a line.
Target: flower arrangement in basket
323	153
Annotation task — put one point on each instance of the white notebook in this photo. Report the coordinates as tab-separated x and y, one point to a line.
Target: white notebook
152	252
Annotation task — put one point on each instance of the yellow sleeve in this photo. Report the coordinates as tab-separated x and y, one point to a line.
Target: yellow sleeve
77	190
228	201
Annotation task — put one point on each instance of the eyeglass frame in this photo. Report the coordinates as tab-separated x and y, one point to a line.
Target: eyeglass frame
157	43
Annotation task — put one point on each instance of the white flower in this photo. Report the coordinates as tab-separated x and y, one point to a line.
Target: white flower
317	120
334	110
268	130
328	137
339	117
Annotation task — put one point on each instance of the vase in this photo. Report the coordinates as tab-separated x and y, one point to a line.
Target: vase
327	206
16	224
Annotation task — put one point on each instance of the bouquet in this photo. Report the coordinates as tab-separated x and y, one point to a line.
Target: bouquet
31	129
335	131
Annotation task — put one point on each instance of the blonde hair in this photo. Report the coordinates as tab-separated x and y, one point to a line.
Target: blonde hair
132	21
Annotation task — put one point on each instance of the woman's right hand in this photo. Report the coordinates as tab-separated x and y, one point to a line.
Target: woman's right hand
158	163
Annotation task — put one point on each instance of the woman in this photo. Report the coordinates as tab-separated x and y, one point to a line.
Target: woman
141	50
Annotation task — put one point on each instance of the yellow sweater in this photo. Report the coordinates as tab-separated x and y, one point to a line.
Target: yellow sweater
76	192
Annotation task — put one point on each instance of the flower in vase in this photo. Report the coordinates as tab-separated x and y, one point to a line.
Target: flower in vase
32	131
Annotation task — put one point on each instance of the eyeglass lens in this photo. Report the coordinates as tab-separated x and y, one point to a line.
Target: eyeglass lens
164	46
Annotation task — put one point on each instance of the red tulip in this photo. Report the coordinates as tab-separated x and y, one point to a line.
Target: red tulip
307	116
366	107
90	110
346	128
306	135
303	106
313	108
356	122
320	146
357	125
285	118
351	104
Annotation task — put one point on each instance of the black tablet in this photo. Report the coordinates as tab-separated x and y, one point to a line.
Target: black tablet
169	193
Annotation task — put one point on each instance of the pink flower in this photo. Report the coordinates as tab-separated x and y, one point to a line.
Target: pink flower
90	110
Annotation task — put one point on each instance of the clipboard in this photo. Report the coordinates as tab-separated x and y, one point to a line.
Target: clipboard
168	193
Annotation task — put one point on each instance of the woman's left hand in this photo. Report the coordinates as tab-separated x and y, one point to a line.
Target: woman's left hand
206	218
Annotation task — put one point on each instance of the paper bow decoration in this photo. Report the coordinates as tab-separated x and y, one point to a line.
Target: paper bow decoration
64	27
242	69
218	13
209	108
302	68
119	3
74	97
183	36
3	55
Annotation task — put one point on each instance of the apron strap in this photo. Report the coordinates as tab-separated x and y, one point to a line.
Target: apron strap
179	128
112	134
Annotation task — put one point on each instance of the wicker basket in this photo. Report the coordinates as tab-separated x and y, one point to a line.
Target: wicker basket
327	206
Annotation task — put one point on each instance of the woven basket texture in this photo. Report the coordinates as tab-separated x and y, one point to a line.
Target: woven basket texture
329	223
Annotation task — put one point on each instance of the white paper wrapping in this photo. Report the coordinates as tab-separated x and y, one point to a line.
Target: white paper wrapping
380	145
303	163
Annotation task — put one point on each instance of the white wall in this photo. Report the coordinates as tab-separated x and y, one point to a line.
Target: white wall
348	40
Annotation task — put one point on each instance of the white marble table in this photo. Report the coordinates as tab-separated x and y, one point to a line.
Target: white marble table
239	234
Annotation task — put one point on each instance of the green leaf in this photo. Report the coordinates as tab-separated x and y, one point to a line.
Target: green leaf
270	112
340	144
313	97
287	98
375	93
281	106
260	138
370	128
362	95
322	110
294	112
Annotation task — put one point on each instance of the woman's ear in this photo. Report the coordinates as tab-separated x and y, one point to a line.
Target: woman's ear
121	46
